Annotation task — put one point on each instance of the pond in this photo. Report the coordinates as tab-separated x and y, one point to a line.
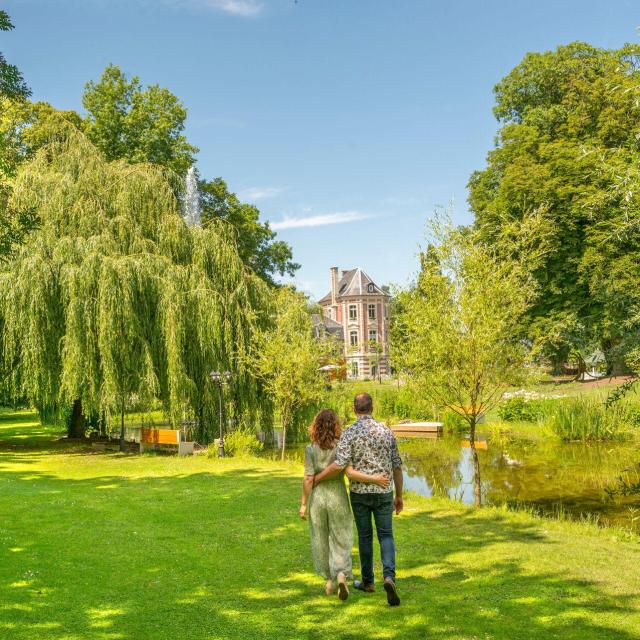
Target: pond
596	480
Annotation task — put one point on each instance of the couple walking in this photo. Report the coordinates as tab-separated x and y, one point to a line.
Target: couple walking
367	453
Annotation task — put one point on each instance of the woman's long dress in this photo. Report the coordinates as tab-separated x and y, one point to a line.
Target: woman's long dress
329	513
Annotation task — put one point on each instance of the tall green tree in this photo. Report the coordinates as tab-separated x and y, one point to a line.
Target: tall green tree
457	338
113	297
13	93
257	243
570	123
287	359
140	124
12	84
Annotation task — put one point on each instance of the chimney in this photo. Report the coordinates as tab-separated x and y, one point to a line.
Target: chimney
334	286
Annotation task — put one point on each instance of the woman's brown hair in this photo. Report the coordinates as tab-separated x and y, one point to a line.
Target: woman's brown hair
325	429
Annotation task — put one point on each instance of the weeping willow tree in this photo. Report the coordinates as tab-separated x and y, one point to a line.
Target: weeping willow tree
113	297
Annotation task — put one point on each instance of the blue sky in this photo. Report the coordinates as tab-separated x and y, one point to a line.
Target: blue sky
345	121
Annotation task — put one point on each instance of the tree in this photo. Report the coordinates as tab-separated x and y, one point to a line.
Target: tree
12	84
256	241
457	335
287	359
569	126
24	128
139	124
13	89
113	297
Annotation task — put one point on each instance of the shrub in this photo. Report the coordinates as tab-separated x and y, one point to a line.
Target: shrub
633	416
240	443
453	421
519	409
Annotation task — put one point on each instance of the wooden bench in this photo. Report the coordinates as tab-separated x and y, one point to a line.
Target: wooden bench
150	438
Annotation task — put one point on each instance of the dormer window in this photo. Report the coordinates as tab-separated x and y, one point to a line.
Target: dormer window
371	288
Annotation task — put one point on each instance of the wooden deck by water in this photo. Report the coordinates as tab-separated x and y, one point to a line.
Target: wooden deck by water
417	429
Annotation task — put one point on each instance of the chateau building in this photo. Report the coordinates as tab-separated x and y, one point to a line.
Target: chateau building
356	310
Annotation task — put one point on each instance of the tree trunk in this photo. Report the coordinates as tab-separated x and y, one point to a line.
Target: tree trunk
122	426
477	486
103	423
199	430
616	366
556	366
582	368
285	420
76	426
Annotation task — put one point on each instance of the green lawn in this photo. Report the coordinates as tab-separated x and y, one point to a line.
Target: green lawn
152	547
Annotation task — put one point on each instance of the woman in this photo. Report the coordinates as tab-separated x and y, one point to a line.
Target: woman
327	504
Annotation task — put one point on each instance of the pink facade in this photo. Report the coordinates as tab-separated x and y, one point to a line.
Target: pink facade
361	307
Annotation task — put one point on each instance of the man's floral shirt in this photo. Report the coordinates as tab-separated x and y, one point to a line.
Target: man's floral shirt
370	447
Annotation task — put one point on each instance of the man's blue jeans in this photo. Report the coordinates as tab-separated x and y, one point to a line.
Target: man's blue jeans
380	506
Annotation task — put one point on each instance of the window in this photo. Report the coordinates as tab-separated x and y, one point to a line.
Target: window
354	369
372	312
374	371
353	338
371	288
353	312
373	335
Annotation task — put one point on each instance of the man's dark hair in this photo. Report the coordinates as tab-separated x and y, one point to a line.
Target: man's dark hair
363	403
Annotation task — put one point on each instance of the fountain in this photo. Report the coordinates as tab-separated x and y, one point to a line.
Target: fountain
191	199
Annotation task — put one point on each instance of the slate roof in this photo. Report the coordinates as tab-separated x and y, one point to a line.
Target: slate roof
321	325
354	282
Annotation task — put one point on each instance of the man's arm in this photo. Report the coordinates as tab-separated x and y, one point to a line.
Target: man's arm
396	463
397	481
328	472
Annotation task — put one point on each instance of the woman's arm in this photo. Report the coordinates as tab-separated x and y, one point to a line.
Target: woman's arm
380	479
307	485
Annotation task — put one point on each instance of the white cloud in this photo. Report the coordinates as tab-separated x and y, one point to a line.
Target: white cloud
259	193
242	8
341	217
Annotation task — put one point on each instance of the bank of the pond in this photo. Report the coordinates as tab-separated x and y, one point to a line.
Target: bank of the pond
97	546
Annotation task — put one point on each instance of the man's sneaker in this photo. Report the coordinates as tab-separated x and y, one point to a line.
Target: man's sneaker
392	594
364	586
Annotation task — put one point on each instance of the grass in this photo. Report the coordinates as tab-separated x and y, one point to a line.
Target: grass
111	546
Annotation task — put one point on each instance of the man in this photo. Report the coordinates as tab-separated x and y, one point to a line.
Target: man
370	447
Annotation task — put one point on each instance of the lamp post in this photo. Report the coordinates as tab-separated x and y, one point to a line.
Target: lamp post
218	378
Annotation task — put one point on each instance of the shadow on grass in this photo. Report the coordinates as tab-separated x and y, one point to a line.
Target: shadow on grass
220	554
